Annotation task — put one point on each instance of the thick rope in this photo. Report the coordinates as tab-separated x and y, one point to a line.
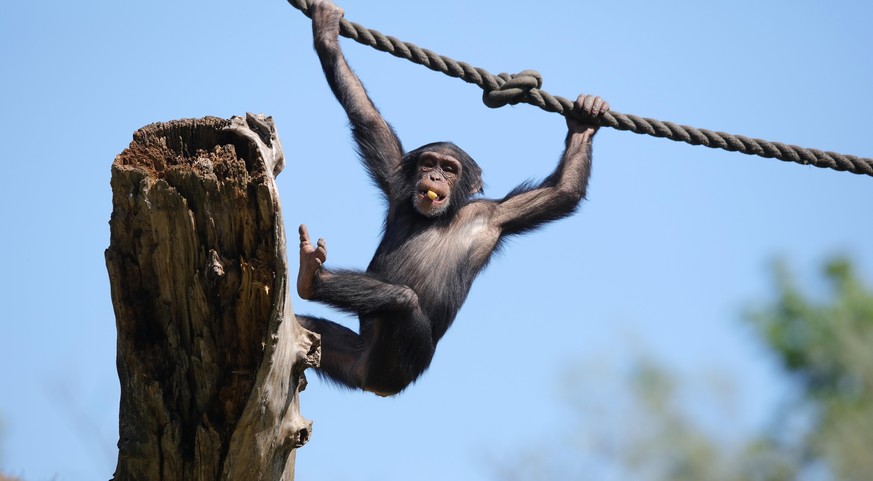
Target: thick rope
506	89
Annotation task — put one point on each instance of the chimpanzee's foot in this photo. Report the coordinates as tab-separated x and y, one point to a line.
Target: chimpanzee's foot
311	259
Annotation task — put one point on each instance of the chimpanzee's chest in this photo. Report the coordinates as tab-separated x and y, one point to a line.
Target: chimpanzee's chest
437	259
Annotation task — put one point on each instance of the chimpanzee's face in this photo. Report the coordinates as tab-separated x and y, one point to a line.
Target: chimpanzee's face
436	177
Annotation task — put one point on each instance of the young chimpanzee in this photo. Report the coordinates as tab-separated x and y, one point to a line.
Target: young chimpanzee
437	238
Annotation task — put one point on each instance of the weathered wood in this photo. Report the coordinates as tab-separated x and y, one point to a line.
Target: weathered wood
210	357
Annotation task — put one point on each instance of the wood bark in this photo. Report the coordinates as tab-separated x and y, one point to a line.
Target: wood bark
210	357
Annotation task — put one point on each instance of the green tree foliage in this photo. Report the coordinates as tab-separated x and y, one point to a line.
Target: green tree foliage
826	346
678	448
639	423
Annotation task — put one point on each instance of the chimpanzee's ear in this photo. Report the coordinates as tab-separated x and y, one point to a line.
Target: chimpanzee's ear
476	188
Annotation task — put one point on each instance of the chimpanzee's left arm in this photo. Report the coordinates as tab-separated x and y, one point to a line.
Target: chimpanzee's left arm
527	207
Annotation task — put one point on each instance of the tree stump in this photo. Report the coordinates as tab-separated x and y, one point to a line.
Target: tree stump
210	356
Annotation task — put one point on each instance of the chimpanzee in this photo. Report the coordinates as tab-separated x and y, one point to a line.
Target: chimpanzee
438	234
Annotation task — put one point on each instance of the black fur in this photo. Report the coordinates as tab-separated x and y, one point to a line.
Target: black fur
424	266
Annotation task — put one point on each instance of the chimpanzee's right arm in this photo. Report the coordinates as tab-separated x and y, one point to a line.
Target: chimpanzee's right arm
378	145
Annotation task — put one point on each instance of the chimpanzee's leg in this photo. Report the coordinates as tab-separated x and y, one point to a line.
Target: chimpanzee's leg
341	351
395	344
353	291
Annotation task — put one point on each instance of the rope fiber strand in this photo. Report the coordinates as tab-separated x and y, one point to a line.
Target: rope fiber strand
525	87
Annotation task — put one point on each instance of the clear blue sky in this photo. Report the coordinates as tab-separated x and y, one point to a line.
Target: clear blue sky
671	246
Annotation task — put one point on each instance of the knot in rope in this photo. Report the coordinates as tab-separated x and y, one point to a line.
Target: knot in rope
505	89
513	89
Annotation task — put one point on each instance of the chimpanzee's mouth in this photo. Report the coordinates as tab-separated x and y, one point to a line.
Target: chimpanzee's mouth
431	195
